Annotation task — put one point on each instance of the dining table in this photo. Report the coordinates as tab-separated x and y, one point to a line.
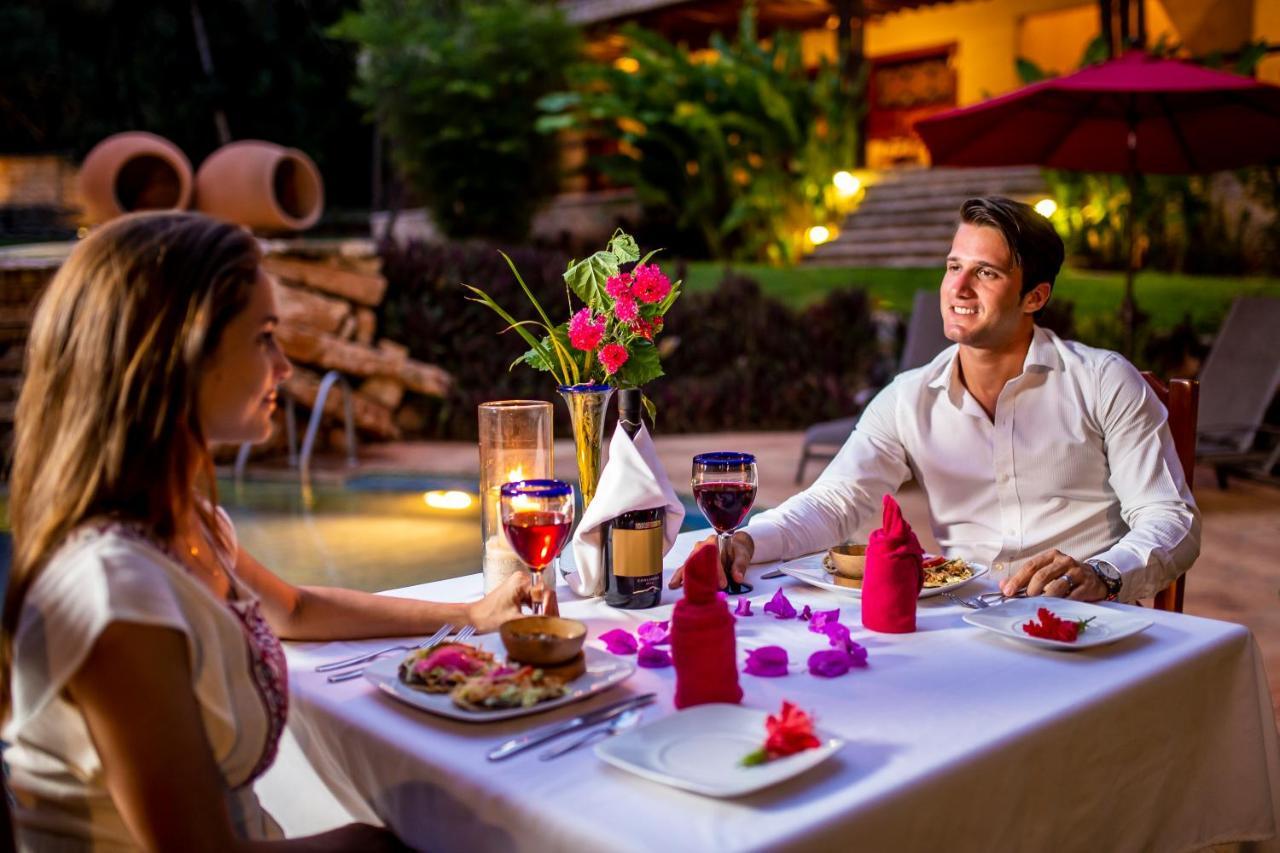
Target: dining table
953	737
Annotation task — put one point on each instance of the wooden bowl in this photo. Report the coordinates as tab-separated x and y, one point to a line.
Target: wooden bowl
542	640
846	563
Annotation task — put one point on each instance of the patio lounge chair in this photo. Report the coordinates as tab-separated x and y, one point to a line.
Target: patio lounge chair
925	339
1238	382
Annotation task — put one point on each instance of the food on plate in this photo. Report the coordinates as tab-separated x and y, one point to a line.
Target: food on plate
505	687
441	668
939	571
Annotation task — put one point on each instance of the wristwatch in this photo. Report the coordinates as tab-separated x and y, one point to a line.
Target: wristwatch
1109	575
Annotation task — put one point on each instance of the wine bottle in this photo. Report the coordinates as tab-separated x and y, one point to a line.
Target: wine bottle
633	541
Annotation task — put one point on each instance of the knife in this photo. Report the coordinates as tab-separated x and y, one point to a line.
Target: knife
542	735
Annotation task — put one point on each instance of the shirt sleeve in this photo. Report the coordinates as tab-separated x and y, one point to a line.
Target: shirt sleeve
1144	471
871	464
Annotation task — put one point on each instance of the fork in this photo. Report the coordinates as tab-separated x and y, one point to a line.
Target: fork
971	603
464	634
368	656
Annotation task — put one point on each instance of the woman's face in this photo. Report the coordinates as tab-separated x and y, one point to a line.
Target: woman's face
238	391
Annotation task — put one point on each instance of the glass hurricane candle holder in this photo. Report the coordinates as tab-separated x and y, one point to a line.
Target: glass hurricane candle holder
515	444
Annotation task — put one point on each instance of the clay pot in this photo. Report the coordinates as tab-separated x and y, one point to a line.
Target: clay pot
134	171
261	185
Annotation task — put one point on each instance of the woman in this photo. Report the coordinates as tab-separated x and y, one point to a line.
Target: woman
144	686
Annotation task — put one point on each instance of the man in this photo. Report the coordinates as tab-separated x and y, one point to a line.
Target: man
1048	460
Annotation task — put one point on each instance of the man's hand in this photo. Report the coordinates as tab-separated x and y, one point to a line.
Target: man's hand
1054	574
504	602
741	548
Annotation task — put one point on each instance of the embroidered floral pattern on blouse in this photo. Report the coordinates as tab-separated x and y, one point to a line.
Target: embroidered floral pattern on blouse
267	666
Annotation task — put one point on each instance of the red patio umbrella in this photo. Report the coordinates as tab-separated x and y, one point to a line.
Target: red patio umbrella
1137	114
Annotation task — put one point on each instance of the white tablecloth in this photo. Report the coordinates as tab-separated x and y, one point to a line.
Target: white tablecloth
957	739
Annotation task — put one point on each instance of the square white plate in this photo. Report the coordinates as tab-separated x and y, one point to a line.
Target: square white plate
809	569
1108	625
603	671
700	749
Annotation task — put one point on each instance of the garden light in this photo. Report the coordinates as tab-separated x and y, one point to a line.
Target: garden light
818	234
451	499
846	183
627	64
1046	207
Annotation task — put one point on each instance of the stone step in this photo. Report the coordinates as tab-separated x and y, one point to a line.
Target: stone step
858	229
968	189
890	261
936	249
945	174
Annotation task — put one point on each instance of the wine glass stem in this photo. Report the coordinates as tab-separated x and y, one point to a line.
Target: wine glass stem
535	592
722	543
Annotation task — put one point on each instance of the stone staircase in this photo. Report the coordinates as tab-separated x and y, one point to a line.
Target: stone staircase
908	218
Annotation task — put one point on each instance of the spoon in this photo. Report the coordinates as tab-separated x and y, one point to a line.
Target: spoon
624	721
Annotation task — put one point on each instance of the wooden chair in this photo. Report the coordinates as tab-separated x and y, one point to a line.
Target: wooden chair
1181	397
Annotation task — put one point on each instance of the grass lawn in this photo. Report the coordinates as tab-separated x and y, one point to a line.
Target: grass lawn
1165	296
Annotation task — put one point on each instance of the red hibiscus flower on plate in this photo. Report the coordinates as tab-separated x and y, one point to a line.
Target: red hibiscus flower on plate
789	731
1052	627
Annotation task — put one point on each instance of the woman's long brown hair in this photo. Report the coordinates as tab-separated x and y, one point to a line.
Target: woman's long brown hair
106	424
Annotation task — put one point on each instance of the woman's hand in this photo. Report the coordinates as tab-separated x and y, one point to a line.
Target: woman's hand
505	601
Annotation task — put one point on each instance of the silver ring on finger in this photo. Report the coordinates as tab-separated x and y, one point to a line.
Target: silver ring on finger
1066	578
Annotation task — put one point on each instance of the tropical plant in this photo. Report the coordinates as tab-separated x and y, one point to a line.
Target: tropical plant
611	338
736	144
454	86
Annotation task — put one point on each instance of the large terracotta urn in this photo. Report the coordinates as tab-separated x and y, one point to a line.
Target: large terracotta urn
261	185
134	171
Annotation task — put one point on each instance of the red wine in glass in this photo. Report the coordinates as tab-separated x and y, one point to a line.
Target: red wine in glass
537	516
537	537
724	485
725	504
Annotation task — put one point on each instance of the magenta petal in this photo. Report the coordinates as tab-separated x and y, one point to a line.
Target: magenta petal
743	608
806	614
619	642
828	663
837	634
822	619
767	662
654	633
653	657
857	654
780	606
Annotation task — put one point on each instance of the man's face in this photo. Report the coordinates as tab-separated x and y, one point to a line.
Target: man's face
980	297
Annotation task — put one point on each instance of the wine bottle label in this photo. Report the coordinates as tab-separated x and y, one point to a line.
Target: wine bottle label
637	553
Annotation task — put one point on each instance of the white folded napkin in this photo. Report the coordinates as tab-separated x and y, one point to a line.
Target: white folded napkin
632	479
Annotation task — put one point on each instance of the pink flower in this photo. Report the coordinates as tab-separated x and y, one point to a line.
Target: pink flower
613	356
655	633
767	662
652	657
619	642
586	330
619	286
822	619
780	606
642	327
743	608
651	285
626	310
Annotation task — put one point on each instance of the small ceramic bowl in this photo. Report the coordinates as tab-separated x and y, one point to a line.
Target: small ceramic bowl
846	562
542	640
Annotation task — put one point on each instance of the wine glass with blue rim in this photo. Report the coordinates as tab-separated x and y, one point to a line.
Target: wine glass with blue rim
537	516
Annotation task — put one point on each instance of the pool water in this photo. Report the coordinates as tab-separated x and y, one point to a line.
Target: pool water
372	533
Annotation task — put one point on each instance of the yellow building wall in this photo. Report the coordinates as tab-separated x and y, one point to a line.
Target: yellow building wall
1266	25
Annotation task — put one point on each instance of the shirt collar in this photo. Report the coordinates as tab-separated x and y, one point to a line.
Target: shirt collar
1041	355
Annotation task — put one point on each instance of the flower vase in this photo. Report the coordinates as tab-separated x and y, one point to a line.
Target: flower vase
587	405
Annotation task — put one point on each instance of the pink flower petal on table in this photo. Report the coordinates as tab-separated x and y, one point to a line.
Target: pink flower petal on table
857	654
822	619
655	633
806	614
837	634
828	663
653	657
619	642
767	662
780	606
743	608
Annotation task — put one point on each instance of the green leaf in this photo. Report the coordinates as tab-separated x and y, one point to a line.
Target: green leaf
586	278
642	366
753	759
624	247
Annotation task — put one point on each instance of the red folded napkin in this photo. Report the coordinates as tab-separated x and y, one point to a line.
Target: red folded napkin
702	641
893	576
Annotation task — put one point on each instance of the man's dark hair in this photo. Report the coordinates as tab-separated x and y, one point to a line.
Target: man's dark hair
1035	246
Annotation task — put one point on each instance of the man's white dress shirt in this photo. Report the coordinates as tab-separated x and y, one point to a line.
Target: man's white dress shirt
1079	457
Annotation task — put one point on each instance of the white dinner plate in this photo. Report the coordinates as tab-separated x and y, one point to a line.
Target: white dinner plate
603	671
701	749
1107	627
809	569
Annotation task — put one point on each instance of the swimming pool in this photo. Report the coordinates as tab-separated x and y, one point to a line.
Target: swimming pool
371	533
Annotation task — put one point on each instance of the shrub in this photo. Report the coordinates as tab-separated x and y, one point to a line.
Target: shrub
454	86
